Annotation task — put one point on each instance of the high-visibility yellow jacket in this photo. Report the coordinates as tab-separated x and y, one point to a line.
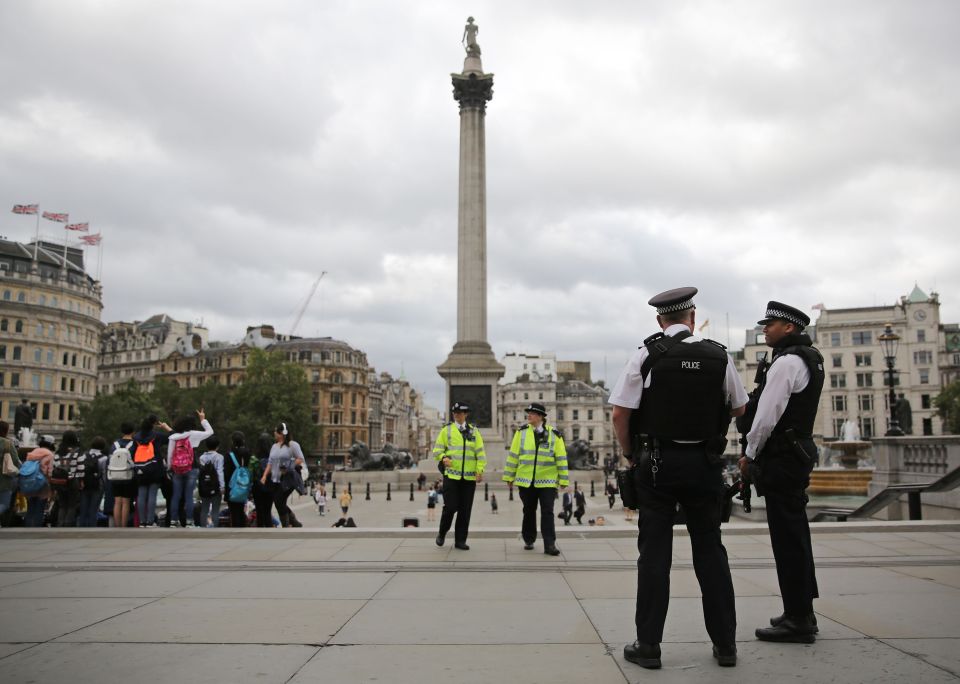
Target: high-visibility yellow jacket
467	456
537	462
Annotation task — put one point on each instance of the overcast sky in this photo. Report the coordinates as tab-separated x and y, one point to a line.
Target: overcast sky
231	151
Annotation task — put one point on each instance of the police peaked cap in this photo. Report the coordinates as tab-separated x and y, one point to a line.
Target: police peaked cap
670	301
536	407
460	406
783	312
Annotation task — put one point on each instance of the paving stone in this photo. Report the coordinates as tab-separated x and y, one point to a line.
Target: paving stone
11	578
450	586
42	619
942	653
9	649
111	583
948	575
291	585
195	663
896	615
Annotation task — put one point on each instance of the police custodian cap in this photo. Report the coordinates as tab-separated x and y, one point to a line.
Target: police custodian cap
536	407
460	406
784	312
673	300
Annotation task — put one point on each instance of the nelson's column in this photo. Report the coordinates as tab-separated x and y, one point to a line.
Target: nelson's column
471	370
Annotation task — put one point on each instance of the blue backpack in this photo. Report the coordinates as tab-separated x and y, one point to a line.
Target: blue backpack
31	478
239	484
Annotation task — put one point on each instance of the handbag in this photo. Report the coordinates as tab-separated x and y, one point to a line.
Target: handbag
8	467
291	479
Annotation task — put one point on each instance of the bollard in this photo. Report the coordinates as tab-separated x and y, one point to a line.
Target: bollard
486	492
411	491
388	491
350	488
593	492
368	491
334	495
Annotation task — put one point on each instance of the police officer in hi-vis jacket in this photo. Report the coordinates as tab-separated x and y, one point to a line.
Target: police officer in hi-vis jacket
459	452
537	465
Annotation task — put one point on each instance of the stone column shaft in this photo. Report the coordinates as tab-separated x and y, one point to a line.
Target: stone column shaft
472	229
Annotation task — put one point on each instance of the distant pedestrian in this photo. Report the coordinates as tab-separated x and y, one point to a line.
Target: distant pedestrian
262	488
322	501
345	501
431	504
37	501
148	453
494	506
238	457
122	482
567	507
611	494
285	457
182	442
11	460
65	479
580	504
421	481
91	474
210	483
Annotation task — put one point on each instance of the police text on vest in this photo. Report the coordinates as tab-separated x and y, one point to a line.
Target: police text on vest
691	365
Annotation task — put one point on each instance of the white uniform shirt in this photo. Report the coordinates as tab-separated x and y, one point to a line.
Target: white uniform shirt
788	374
629	388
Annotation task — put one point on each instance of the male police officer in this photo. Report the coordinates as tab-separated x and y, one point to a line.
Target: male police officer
459	450
537	464
671	409
780	442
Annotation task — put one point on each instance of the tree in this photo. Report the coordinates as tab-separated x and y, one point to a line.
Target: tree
948	406
274	390
103	416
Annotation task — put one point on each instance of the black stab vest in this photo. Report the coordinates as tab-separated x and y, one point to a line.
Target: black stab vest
801	411
685	399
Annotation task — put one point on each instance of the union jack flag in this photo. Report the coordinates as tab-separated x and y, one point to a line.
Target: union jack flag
84	227
91	239
25	208
59	218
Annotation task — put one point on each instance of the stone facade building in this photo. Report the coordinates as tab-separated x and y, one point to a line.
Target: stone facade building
49	333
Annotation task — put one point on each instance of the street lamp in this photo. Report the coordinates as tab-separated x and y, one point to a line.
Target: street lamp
889	342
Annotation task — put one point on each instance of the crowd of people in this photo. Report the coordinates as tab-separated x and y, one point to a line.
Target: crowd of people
117	483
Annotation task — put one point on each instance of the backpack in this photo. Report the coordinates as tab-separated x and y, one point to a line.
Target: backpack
60	473
89	469
208	484
182	461
432	496
239	486
145	464
121	464
31	477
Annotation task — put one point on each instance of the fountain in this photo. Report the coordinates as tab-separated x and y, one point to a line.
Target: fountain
849	479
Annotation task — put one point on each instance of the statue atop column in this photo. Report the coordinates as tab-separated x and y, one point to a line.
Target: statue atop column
469	38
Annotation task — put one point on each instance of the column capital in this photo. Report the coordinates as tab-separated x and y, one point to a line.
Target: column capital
472	90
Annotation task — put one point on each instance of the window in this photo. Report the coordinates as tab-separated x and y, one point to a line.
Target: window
923	356
761	356
18	327
2	376
38	355
45	415
559	414
6	295
3	351
840	403
16	353
48	383
928	426
864	379
50	356
576	433
896	379
921	336
35	380
335	417
862	337
14	379
838	426
22	298
526	396
863	359
39	329
838	360
865	401
925	401
576	414
838	380
63	410
336	398
924	376
867	428
590	416
835	339
3	325
590	434
540	395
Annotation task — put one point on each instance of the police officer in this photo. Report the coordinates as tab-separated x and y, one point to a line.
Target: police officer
780	445
459	452
537	464
671	408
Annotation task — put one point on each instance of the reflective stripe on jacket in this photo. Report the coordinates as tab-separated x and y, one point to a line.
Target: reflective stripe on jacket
536	463
467	457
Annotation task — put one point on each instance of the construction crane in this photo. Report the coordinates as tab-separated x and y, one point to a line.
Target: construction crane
306	303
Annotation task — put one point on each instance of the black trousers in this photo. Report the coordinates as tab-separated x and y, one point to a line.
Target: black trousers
457	501
784	479
685	477
545	496
238	516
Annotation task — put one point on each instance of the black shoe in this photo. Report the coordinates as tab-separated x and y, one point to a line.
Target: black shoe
644	655
462	546
790	630
440	538
775	621
552	550
726	655
528	547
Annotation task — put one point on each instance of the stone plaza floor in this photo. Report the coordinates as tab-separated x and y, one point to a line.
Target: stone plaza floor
387	605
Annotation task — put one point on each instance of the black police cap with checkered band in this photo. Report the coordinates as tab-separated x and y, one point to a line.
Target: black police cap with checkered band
677	299
784	312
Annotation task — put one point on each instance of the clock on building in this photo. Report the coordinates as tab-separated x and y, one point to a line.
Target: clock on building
920	314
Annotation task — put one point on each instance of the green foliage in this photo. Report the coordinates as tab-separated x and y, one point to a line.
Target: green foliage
273	390
948	406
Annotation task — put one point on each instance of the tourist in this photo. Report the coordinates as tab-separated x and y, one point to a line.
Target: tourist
239	457
321	500
11	461
285	456
91	474
580	502
263	489
37	501
567	508
65	479
122	483
210	483
345	501
147	455
183	464
494	506
431	504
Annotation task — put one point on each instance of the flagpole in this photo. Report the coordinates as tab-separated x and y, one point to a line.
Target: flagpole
36	241
66	238
99	259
